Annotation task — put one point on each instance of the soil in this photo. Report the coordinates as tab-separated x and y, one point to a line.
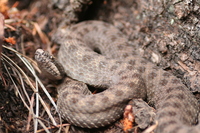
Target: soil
166	32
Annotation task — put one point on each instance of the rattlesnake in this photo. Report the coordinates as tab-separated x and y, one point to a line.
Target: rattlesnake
98	54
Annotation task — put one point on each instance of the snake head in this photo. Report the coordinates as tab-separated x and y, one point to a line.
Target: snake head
49	65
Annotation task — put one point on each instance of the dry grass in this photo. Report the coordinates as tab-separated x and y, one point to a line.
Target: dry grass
31	101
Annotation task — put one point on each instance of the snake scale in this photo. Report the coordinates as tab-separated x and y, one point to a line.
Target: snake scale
98	54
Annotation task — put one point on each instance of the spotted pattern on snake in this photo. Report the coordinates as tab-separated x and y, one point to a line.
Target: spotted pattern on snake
125	74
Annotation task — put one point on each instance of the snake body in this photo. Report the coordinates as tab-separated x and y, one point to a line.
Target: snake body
98	54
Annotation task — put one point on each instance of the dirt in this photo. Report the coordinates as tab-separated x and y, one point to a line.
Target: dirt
168	33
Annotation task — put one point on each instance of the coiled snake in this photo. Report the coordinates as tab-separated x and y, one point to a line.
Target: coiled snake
98	54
